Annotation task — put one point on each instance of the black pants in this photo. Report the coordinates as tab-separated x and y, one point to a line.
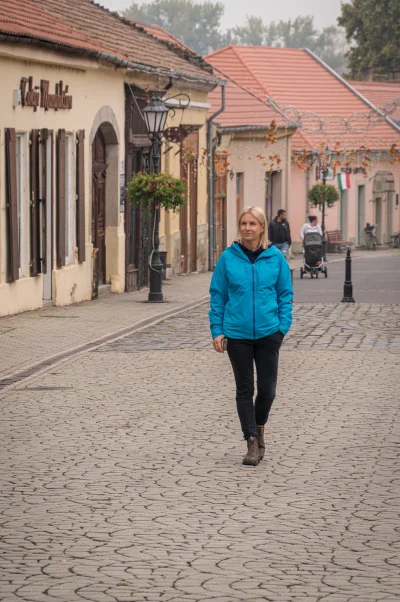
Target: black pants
243	353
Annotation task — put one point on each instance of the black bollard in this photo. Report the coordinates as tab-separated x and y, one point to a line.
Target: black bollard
348	285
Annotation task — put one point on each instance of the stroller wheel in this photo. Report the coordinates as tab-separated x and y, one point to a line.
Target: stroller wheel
312	274
316	274
326	272
301	272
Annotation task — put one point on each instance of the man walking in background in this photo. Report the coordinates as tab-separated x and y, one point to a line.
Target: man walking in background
279	233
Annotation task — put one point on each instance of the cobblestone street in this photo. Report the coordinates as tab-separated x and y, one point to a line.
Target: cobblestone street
121	464
122	479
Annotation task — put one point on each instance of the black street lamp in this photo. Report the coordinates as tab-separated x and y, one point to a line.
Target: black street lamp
155	116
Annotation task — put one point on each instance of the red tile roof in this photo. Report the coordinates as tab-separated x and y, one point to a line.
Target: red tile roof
26	18
161	34
379	93
294	77
84	25
242	107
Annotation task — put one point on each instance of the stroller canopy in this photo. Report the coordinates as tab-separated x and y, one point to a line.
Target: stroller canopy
312	238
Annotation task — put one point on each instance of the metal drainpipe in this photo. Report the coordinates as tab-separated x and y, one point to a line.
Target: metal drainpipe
211	237
307	191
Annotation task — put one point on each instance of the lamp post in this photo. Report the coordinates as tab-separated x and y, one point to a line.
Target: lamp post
155	116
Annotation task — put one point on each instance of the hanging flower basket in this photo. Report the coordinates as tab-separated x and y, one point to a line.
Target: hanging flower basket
168	192
323	194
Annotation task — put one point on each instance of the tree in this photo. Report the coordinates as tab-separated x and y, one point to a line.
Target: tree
196	24
373	29
329	44
321	195
331	47
252	33
299	33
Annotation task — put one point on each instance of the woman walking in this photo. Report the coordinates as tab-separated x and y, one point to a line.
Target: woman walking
251	306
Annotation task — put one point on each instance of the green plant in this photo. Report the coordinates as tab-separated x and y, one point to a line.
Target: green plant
323	194
145	190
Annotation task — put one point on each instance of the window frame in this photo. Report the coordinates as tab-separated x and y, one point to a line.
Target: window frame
70	198
21	157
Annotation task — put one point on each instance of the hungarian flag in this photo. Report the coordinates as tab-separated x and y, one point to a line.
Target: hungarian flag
343	181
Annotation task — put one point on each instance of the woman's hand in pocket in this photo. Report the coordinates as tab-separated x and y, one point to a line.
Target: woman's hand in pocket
217	342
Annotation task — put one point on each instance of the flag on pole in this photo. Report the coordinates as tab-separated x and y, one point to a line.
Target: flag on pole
343	181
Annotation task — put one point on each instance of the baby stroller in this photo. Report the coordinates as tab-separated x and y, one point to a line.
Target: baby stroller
313	262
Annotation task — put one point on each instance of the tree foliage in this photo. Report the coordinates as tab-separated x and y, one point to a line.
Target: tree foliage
329	44
323	194
198	25
145	189
373	29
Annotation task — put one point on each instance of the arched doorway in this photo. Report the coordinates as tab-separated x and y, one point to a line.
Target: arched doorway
99	180
105	203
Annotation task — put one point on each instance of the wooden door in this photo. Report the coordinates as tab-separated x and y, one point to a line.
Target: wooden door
183	217
220	208
99	204
193	215
188	213
138	227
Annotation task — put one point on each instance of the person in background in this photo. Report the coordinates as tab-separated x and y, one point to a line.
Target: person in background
279	233
251	306
311	226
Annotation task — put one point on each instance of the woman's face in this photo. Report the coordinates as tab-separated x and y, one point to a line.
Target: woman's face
250	228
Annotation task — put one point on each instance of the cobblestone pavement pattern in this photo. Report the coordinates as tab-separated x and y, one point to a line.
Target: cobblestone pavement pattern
122	480
36	335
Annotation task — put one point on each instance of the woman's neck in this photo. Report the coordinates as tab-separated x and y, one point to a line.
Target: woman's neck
252	246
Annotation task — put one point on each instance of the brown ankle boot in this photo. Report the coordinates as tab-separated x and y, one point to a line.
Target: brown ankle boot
252	457
261	442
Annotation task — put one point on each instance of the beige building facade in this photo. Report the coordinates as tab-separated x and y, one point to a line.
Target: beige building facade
52	107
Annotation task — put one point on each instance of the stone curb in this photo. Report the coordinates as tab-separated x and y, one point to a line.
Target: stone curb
14	379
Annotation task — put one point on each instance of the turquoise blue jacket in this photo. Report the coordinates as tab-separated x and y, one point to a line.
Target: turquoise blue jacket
250	301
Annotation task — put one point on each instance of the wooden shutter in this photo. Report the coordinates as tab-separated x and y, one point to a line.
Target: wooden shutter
44	135
34	202
80	188
12	206
61	198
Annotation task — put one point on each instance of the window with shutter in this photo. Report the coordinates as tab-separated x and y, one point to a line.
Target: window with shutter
22	203
13	261
80	188
34	202
44	177
61	199
70	201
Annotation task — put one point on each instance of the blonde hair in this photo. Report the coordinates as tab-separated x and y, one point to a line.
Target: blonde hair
259	214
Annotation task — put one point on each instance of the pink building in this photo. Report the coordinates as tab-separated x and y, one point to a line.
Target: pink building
330	113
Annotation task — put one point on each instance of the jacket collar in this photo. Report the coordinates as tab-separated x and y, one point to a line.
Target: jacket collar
236	250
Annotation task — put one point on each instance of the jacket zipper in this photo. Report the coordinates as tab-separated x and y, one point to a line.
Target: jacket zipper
254	306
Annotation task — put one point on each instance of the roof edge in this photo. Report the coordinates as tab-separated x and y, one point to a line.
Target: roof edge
117	61
249	128
130	23
350	87
184	53
250	70
218	51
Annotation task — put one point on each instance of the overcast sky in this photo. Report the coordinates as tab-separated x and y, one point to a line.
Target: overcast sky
325	11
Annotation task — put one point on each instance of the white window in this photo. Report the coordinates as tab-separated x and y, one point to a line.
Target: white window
22	204
69	198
